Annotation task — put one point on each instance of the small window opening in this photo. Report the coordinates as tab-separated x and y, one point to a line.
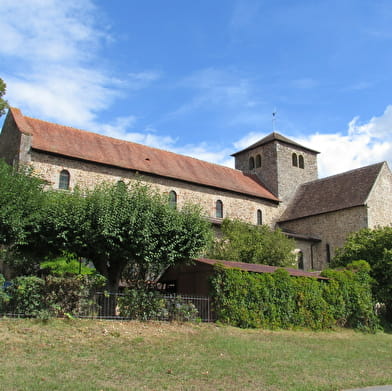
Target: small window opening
64	180
295	159
173	199
300	260
259	217
328	252
251	163
258	161
301	161
219	209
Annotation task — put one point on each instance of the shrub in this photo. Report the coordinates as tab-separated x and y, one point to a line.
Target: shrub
71	295
52	296
146	304
180	310
279	301
26	296
141	304
4	298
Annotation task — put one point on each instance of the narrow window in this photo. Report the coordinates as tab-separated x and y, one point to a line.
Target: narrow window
173	199
64	180
300	260
258	161
259	217
295	160
251	163
301	161
328	252
219	209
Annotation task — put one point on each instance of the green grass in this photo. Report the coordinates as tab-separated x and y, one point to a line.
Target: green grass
107	355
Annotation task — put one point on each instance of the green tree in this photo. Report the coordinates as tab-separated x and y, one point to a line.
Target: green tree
375	247
3	102
248	243
117	227
21	200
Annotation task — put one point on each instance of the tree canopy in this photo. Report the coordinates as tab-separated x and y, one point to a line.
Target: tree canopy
248	243
375	247
119	227
3	102
21	200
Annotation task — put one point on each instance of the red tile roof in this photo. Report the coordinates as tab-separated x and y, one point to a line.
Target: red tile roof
257	268
92	147
341	191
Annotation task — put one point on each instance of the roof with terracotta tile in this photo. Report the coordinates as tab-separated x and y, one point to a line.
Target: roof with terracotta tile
274	137
92	147
342	191
257	268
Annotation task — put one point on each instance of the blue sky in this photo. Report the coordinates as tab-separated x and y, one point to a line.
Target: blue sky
203	77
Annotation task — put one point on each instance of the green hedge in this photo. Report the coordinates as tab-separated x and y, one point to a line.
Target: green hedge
49	296
277	300
145	304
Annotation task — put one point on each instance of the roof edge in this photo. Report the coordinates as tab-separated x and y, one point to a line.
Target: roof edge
274	136
20	120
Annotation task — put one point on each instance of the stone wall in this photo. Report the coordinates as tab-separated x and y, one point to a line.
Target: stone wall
86	174
289	176
267	171
9	141
333	228
380	200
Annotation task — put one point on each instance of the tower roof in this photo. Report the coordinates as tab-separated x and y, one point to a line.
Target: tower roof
274	137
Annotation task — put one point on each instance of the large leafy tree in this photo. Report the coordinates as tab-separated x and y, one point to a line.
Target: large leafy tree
375	247
3	102
21	200
248	243
120	228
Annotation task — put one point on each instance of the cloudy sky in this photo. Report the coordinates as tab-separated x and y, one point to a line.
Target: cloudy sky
203	77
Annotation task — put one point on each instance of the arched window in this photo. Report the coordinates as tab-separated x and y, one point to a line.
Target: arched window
251	163
301	161
173	199
259	217
64	180
258	161
219	209
295	160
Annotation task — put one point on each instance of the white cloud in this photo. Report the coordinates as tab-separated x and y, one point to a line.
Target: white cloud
48	30
248	140
360	145
203	151
51	49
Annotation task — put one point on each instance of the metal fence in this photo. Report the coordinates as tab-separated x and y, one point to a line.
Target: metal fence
174	307
116	306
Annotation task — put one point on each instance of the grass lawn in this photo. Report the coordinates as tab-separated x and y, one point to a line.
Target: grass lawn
109	355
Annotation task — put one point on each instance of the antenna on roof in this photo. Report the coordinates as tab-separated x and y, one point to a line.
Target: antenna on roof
274	113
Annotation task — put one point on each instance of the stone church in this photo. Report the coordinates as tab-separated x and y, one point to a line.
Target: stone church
275	181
